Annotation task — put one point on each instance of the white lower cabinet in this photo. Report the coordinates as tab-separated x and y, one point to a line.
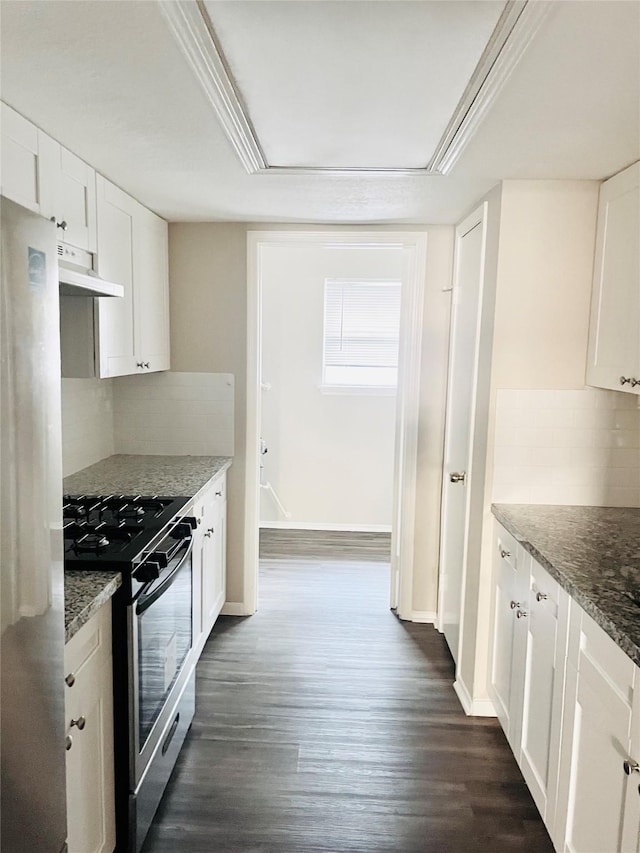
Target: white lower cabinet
544	673
527	665
209	562
507	658
568	699
598	802
89	756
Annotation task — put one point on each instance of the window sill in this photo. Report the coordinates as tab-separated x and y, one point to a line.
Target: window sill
358	390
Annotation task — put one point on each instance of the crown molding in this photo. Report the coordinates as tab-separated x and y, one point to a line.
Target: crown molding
194	32
192	29
516	28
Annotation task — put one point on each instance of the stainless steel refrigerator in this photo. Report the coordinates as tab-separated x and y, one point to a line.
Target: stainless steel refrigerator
32	723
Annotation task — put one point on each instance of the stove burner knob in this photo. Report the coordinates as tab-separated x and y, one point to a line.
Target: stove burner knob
147	572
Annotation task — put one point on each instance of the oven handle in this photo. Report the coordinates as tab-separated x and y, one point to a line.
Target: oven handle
146	600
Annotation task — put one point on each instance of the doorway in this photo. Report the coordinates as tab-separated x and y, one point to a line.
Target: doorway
411	250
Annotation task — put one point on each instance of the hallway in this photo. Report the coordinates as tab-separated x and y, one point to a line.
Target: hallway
325	725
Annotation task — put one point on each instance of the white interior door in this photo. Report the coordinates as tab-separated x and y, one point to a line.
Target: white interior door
463	359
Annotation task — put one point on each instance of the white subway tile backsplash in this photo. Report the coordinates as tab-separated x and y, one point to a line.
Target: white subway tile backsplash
175	414
567	447
87	422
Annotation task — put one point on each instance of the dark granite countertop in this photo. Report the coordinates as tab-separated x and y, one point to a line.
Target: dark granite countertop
174	476
594	554
84	594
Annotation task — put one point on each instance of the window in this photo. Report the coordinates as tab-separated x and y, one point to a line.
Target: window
361	333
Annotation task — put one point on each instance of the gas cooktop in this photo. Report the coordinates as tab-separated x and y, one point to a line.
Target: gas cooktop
112	531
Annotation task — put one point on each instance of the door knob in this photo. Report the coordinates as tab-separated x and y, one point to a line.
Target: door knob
630	766
81	722
458	477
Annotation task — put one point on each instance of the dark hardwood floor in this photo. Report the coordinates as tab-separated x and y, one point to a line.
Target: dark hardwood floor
326	725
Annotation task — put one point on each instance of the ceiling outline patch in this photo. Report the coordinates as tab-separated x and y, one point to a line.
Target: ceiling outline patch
193	30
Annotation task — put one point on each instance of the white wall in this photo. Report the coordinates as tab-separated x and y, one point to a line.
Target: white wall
545	241
87	422
330	457
208	275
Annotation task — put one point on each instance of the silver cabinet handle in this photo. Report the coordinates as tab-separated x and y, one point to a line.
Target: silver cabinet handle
634	381
514	604
139	364
458	477
68	743
624	380
81	722
210	530
63	225
521	614
504	553
70	680
630	766
541	596
219	494
146	364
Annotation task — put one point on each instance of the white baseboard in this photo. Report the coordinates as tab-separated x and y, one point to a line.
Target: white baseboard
427	616
319	525
473	707
234	608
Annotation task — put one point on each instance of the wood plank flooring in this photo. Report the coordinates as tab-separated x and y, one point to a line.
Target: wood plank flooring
326	725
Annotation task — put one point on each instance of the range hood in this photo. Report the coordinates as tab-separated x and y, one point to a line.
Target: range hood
74	283
77	277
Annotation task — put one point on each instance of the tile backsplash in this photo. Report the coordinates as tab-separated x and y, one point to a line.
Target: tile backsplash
174	414
567	447
87	422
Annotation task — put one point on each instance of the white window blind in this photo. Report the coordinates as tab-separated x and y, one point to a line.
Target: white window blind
361	333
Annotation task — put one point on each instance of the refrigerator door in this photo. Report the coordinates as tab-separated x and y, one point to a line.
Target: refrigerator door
32	721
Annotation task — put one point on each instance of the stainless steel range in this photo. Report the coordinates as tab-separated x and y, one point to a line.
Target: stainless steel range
149	540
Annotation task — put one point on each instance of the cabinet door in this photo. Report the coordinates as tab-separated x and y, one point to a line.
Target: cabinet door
115	339
76	200
593	786
151	290
614	337
89	702
214	555
26	178
543	689
505	606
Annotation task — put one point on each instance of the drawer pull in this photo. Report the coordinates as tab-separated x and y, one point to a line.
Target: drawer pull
514	604
504	553
68	743
541	596
521	614
219	494
81	722
70	680
630	766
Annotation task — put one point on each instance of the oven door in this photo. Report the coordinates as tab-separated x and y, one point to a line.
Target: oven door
160	624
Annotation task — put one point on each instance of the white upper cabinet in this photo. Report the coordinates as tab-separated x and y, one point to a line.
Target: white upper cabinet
614	337
75	200
133	332
115	341
151	290
25	151
41	175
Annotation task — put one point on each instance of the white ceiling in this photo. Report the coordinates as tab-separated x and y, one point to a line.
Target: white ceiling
108	79
356	84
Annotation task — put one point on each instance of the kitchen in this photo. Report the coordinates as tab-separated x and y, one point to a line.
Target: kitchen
542	249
